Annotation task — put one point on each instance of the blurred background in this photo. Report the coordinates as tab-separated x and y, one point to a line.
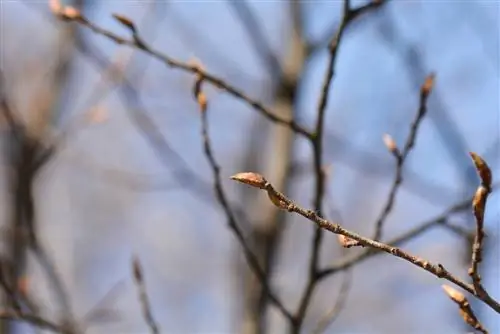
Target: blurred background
112	191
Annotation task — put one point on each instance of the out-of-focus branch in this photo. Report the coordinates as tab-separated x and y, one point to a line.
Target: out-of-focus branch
26	155
401	156
349	15
327	35
331	315
143	296
284	203
222	198
257	37
35	321
276	156
70	13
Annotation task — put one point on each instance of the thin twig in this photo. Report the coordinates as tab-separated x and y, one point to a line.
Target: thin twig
439	221
402	156
331	315
138	43
221	196
143	296
349	15
479	205
437	270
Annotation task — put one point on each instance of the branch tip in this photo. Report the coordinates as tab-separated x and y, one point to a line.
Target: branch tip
125	21
482	169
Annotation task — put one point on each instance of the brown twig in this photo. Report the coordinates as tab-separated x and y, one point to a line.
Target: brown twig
331	315
478	205
438	221
401	156
349	15
143	296
437	270
138	43
221	196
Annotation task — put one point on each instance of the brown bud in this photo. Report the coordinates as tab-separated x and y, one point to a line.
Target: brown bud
276	200
23	285
469	317
347	242
479	203
202	101
428	84
483	169
137	269
55	7
454	294
96	115
125	21
71	13
252	179
390	143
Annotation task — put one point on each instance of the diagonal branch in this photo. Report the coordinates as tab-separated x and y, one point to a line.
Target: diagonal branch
284	203
137	42
349	15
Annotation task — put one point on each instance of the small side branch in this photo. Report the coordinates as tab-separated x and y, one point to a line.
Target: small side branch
478	206
465	309
72	14
401	156
143	296
221	196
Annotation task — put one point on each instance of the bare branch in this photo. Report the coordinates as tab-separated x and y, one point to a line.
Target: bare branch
331	315
143	296
349	15
138	43
438	270
221	196
403	155
465	309
479	205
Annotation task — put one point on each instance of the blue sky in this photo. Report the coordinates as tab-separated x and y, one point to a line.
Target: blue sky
93	223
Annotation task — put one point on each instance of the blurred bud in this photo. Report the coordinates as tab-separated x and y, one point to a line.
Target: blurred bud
23	285
125	21
252	179
202	101
390	143
428	84
55	7
97	115
71	13
195	63
483	169
137	269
